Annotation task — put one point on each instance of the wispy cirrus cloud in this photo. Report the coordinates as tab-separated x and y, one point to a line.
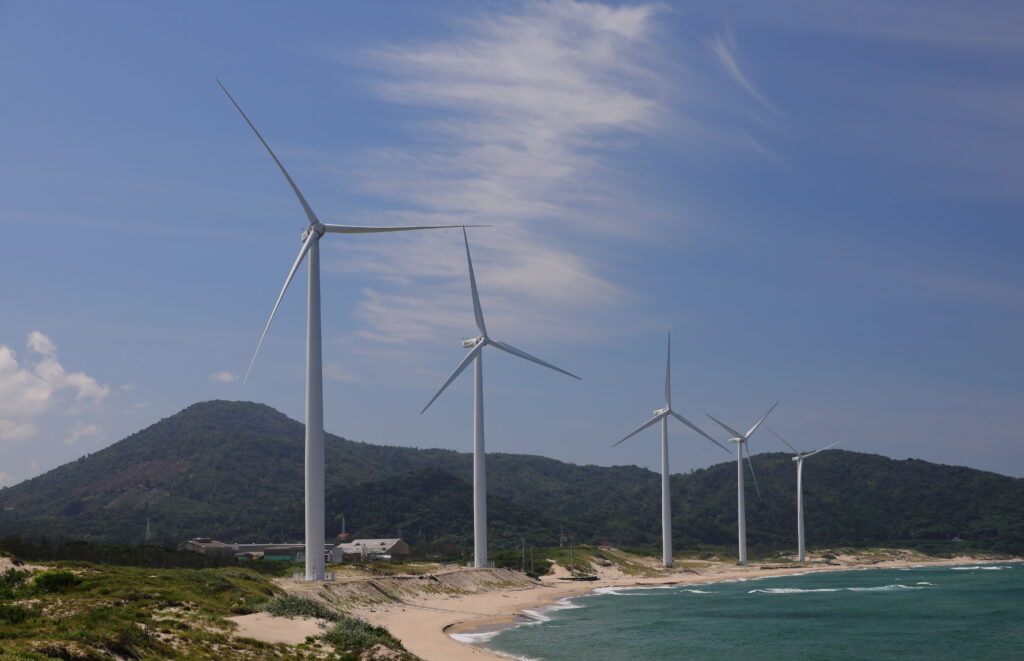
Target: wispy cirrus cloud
531	116
724	47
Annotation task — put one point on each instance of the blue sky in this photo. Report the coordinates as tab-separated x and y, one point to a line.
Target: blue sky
821	200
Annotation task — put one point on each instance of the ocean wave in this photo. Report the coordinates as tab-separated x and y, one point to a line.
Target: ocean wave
475	638
886	588
623	591
924	583
880	588
695	591
990	567
540	614
794	590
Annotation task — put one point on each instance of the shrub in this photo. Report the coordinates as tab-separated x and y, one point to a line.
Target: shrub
55	581
11	580
289	605
352	634
14	614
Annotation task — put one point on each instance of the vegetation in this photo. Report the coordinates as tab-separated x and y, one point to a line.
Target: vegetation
348	635
86	611
290	605
83	610
233	471
352	635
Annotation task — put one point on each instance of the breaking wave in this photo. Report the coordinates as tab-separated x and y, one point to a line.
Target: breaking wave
880	588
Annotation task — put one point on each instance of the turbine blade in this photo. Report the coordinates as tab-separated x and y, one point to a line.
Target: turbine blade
823	449
458	370
362	229
758	423
698	430
313	236
725	426
668	373
746	448
508	348
782	439
477	311
302	200
641	428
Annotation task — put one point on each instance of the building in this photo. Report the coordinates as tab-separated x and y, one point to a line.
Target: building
272	551
210	547
371	549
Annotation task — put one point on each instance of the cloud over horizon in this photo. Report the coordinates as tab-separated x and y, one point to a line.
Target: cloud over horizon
39	384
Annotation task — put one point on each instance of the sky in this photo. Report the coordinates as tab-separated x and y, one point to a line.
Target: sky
821	201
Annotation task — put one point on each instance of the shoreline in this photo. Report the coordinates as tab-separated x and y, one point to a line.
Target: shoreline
425	625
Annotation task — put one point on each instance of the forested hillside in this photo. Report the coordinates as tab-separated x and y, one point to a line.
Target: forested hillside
233	470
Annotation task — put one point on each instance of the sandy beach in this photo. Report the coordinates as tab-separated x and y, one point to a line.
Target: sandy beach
424	623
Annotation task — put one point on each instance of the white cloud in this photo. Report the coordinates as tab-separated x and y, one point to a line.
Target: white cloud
224	376
336	372
38	384
41	344
15	431
81	430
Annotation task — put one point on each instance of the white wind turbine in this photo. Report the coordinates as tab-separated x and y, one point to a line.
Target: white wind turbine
741	442
476	346
799	459
661	415
314	460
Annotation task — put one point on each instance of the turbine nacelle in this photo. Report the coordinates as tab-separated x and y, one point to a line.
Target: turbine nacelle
663	411
737	439
319	228
473	342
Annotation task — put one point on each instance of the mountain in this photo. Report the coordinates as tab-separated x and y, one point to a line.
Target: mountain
233	470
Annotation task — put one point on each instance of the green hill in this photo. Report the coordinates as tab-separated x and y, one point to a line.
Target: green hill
233	470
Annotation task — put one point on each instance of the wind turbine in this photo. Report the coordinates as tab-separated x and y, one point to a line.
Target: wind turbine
741	442
475	355
799	459
314	460
662	415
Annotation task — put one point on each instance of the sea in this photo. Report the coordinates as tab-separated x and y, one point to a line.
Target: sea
964	612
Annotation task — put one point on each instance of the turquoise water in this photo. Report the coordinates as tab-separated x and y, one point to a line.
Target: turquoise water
965	612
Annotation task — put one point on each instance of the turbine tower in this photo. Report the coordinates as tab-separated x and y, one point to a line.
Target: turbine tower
314	459
475	355
661	415
799	459
741	442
